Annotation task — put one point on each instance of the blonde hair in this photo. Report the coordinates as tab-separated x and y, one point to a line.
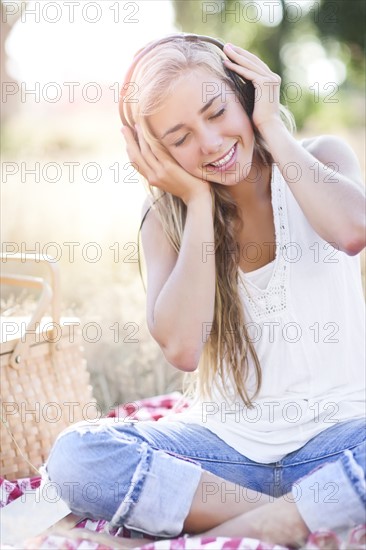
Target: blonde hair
228	345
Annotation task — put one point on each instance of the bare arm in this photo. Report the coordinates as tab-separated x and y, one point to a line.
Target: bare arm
326	182
181	288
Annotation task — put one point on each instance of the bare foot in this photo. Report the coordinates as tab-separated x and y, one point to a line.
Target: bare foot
217	501
278	522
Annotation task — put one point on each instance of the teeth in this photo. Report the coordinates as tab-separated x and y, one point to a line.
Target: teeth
226	158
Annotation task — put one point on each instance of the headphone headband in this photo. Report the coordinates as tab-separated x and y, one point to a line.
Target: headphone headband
244	87
146	49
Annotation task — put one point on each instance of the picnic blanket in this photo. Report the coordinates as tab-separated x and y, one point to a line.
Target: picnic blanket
153	409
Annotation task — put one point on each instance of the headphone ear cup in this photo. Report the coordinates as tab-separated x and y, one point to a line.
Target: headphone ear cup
245	89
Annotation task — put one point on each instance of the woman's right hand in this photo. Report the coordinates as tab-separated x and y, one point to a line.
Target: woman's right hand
161	170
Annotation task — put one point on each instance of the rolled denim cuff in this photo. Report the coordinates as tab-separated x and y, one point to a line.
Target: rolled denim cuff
333	496
160	504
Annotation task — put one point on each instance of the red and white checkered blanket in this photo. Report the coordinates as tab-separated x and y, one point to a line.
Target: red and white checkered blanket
146	409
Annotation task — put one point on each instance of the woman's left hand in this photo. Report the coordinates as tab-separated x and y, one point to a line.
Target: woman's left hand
266	83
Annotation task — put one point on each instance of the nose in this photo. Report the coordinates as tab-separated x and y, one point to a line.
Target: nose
210	142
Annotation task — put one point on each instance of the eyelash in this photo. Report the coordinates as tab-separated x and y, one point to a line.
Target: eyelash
217	115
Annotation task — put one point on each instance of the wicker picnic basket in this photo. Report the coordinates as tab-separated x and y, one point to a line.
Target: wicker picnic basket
44	380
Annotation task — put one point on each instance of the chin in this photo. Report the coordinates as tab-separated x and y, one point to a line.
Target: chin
225	184
229	181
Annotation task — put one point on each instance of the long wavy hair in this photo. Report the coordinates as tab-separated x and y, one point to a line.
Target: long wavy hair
227	349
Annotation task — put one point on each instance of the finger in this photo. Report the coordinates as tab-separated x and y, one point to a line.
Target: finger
243	71
127	133
231	48
134	153
240	61
146	151
160	152
243	56
253	75
131	143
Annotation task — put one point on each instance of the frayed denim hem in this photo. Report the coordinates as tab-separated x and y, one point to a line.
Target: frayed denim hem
154	507
332	496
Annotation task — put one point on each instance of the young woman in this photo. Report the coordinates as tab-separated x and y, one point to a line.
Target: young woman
252	244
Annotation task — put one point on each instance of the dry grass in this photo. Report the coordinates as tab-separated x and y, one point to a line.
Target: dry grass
108	291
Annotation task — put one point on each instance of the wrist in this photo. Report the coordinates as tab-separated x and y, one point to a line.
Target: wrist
201	196
275	123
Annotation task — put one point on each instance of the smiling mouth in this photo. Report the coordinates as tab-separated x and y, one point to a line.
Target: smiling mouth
223	160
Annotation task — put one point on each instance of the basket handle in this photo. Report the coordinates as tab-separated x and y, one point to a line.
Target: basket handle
48	295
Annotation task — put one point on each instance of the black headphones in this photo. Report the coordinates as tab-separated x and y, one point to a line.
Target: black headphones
244	87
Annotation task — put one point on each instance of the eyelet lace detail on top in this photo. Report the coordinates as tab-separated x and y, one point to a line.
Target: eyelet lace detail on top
269	302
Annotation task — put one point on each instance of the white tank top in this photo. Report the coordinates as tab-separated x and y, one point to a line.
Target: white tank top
261	276
305	313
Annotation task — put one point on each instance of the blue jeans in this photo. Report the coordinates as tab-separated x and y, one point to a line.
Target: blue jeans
144	475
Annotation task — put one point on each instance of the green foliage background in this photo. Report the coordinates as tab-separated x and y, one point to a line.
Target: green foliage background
338	25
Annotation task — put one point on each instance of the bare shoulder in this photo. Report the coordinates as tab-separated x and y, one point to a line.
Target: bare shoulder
159	254
146	205
149	217
337	153
152	228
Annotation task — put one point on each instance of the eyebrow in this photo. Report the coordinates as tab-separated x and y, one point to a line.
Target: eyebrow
200	112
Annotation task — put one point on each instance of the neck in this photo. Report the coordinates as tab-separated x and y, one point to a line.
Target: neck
255	188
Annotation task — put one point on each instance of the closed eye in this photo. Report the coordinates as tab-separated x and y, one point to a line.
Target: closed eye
220	113
217	115
180	142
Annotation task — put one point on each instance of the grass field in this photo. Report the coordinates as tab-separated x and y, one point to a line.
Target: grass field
92	227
